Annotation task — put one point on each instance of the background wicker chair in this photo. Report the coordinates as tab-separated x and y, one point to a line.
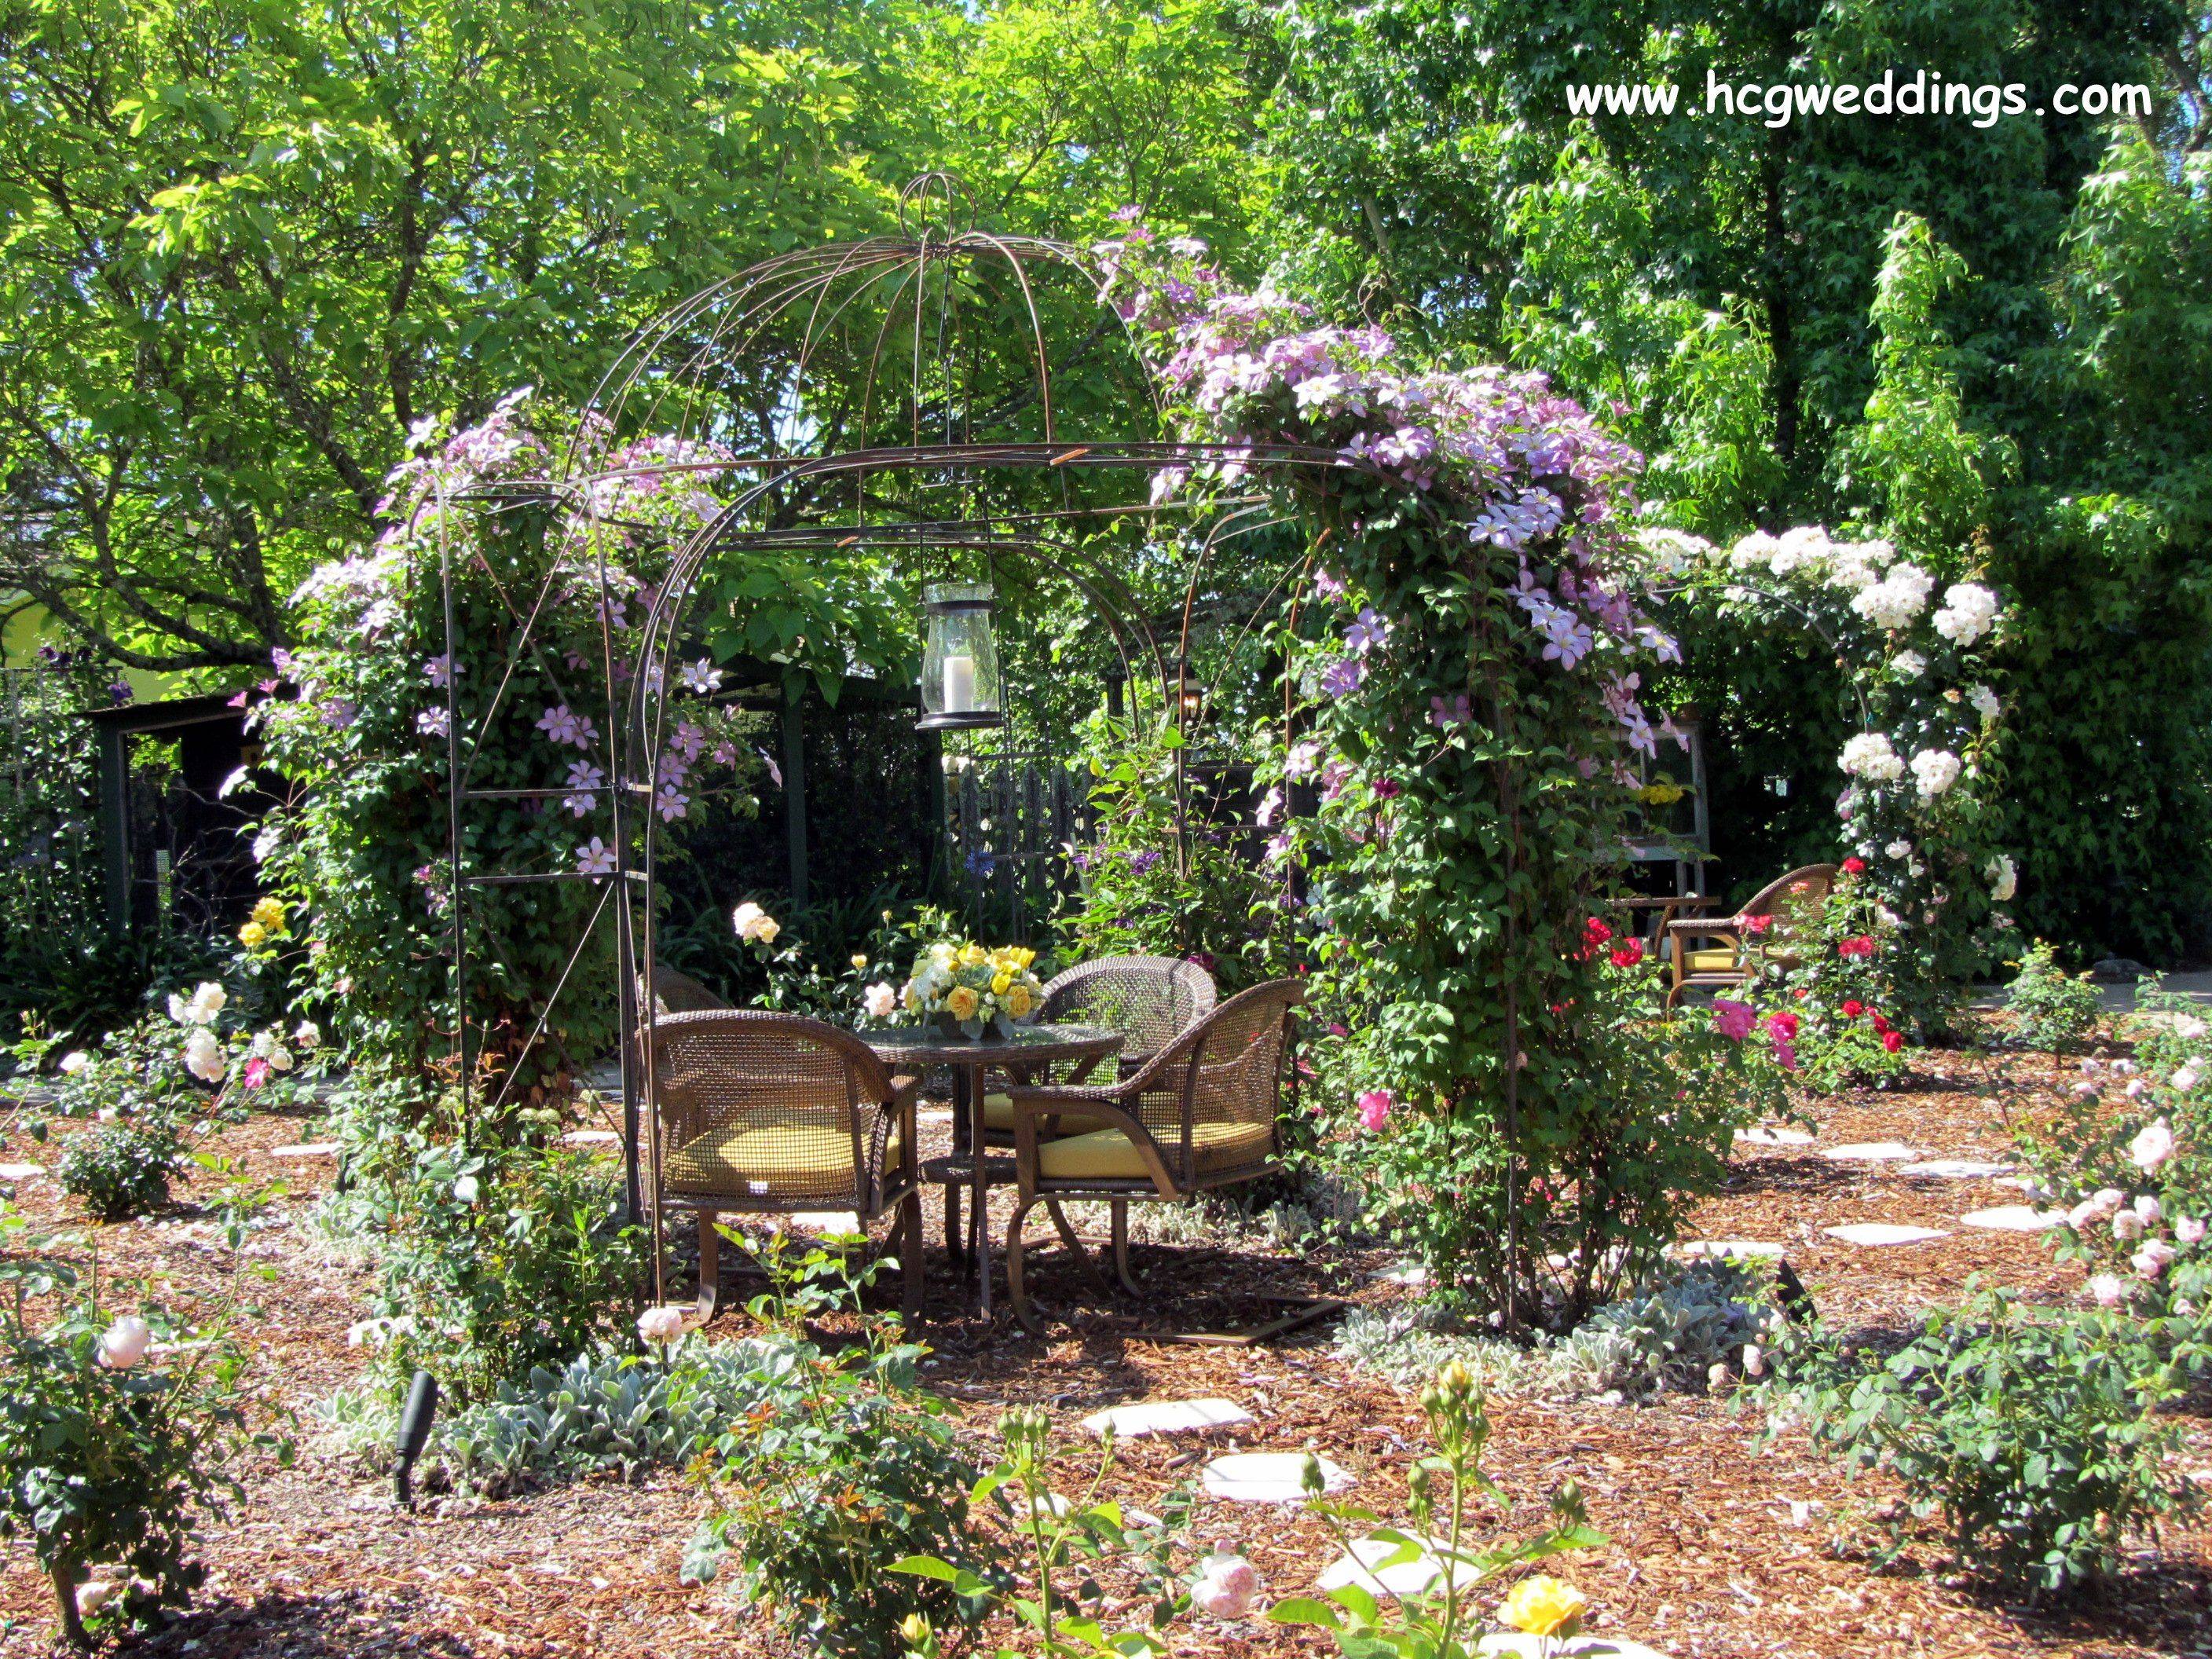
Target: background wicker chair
675	992
772	1114
1789	903
1201	1113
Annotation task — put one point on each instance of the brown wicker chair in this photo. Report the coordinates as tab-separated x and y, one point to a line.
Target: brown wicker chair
1151	1000
1739	954
675	992
772	1114
1201	1113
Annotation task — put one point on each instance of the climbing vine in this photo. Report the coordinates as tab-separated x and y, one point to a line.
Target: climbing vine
1463	671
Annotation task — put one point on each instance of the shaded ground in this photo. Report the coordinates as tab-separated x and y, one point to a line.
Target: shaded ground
1719	1548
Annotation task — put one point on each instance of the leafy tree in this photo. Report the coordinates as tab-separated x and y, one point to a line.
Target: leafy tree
252	245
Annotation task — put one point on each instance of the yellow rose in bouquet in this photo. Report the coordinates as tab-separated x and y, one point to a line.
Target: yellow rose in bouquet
982	993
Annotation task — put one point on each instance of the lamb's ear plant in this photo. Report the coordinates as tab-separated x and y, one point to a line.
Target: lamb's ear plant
1441	1622
1058	1534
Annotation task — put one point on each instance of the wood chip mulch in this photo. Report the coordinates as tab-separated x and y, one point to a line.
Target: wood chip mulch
1719	1547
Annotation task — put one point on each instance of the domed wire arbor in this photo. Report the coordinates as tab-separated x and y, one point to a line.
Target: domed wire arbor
946	402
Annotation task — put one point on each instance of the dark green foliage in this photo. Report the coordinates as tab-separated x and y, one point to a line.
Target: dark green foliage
121	1170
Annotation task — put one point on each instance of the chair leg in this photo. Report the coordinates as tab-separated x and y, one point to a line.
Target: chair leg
710	1265
910	1256
1017	1290
1067	1237
1119	1211
955	1247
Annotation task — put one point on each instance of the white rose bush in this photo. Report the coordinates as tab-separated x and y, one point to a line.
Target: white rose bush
1919	779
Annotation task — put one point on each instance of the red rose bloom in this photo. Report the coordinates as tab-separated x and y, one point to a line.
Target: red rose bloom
1861	947
1855	867
1628	953
1597	932
1893	1041
1783	1024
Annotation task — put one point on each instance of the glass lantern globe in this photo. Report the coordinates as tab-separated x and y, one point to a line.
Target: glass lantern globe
959	662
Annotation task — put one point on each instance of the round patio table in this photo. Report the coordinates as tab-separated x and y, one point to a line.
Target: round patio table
1031	1048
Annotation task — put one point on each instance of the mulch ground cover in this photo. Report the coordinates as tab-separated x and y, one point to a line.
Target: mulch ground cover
1720	1545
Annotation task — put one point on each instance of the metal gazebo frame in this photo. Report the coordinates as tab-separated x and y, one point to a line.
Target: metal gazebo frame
937	436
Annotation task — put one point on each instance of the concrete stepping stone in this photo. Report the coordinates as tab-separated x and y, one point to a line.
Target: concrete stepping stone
844	1222
1522	1645
1957	1169
1269	1477
1406	1272
591	1137
2014	1219
1722	1249
1882	1232
1359	1566
1166	1417
307	1149
1872	1152
20	1171
1767	1134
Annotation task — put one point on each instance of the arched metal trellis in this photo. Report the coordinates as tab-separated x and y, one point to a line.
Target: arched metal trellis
944	398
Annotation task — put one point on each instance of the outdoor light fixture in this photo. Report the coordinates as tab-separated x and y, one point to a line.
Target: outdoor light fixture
959	663
415	1420
1185	694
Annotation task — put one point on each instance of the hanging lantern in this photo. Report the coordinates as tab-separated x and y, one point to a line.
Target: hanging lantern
959	663
1186	696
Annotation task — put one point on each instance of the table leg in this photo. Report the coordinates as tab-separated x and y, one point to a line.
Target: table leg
978	1150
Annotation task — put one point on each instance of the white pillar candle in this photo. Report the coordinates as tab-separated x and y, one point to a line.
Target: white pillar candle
959	684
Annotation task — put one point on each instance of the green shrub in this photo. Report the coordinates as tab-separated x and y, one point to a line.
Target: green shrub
120	1170
503	1251
2032	1432
108	1451
2049	1006
852	1444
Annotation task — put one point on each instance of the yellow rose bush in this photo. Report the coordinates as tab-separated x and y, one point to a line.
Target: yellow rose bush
961	982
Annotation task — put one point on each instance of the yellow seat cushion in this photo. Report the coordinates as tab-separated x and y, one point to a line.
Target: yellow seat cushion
1710	962
999	1113
1109	1155
769	1161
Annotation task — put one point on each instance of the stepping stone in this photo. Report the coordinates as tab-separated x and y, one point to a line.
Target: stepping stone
2014	1219
1520	1644
1767	1135
1357	1565
307	1149
1166	1417
20	1171
1269	1477
591	1137
1882	1232
1957	1169
1872	1152
1406	1272
1721	1249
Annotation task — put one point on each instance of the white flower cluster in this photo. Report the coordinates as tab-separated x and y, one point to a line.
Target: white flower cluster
1869	755
1894	601
2005	878
1933	771
1969	612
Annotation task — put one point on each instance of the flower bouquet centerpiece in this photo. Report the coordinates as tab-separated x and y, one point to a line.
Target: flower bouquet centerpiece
965	990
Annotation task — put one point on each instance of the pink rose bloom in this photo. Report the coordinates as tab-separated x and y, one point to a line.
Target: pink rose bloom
1375	1109
2109	1291
2083	1215
1226	1586
2152	1146
1735	1020
2127	1226
2151	1260
1785	1054
2146	1206
124	1344
2188	1230
2107	1199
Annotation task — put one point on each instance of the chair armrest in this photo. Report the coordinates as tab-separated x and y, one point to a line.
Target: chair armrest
905	1090
1033	1105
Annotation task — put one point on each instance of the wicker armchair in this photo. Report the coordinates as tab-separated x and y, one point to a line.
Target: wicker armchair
768	1113
675	992
1737	951
1151	1000
1201	1113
